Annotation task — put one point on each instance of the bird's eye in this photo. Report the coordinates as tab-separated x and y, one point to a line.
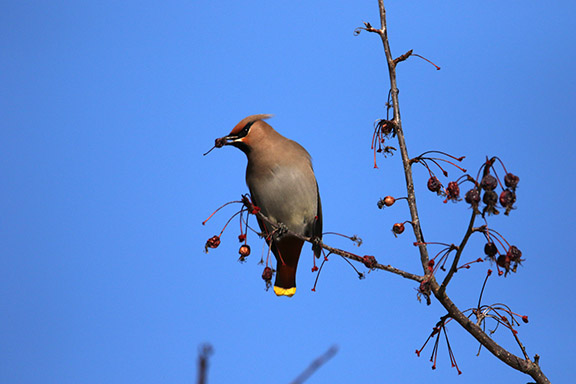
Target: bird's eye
245	130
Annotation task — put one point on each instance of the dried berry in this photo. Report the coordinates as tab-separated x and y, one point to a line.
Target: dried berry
430	267
452	191
504	262
369	261
398	228
387	201
511	180
510	260
212	242
490	198
244	250
434	185
267	276
219	143
514	254
507	200
525	318
472	197
424	290
386	126
488	183
490	249
242	237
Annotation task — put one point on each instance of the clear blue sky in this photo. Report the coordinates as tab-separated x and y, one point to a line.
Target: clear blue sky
107	108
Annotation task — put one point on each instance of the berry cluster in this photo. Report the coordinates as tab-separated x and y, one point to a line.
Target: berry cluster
244	251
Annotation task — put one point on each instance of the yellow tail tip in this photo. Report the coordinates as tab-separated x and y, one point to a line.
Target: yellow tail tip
284	291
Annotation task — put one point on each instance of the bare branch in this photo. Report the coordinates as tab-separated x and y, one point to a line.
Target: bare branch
459	251
526	366
411	196
317	242
523	365
316	364
203	356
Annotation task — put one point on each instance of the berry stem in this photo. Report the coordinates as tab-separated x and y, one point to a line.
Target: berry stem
213	213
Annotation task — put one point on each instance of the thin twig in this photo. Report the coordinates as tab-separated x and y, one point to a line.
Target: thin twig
459	251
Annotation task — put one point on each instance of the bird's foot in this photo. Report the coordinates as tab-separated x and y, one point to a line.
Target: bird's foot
316	245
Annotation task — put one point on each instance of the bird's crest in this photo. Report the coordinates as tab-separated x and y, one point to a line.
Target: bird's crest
247	120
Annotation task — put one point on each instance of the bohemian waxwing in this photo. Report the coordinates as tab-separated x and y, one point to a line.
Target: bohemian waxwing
281	180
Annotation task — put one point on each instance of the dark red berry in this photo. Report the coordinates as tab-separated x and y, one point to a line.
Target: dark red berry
507	200
398	228
244	250
488	183
490	249
514	254
212	242
219	143
386	126
267	276
453	191
434	185
387	201
472	197
511	180
490	198
504	262
369	261
525	318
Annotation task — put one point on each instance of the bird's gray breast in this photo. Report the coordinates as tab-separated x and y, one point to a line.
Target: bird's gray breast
287	194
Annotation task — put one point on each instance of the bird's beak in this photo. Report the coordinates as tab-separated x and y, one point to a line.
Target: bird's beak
229	140
226	140
222	141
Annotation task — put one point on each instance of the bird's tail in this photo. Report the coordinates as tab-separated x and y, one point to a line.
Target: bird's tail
287	251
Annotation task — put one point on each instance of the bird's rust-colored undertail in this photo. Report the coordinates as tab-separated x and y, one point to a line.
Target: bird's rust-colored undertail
287	252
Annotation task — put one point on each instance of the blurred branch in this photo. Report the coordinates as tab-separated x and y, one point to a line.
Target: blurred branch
315	365
203	356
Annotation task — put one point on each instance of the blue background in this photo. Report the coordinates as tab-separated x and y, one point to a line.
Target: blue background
107	108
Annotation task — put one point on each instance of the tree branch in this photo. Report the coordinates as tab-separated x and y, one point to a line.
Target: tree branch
411	196
203	356
459	251
316	364
281	230
510	359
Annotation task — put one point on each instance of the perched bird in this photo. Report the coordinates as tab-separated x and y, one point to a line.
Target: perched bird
282	184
